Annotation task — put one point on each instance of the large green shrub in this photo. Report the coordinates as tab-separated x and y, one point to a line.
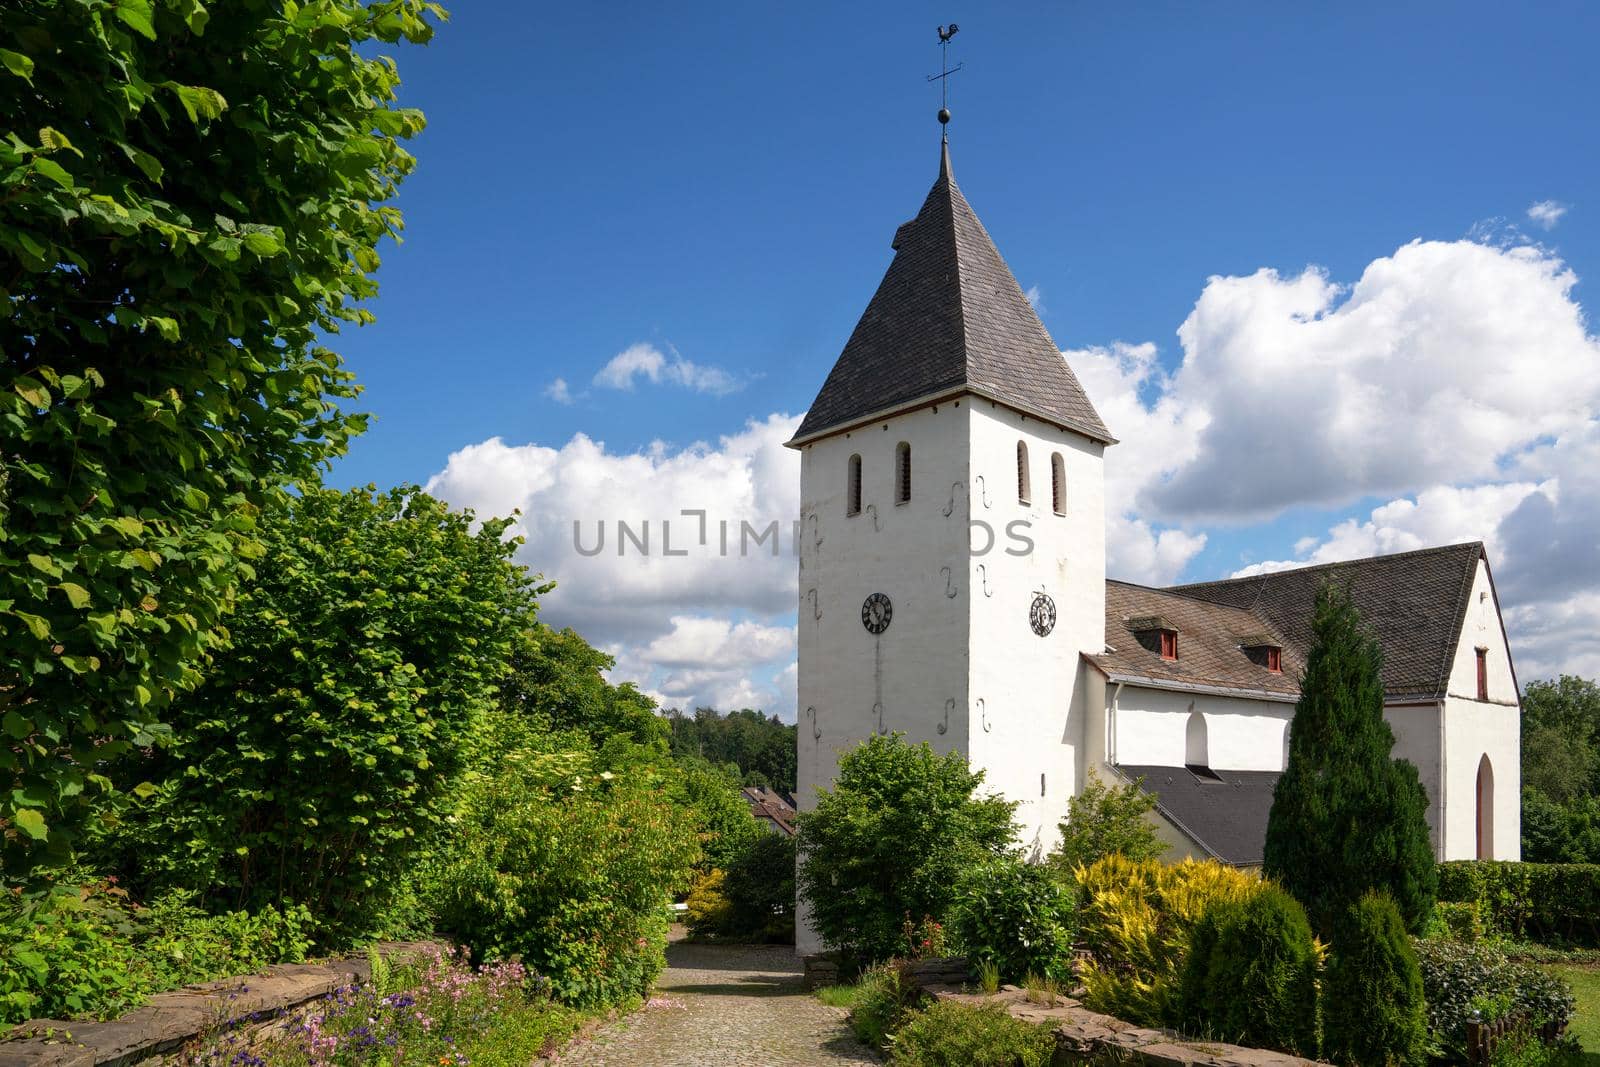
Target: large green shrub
87	950
760	890
1015	915
318	759
1137	919
191	200
568	866
890	839
722	814
883	1001
952	1034
1250	977
1551	903
1347	817
1107	820
1373	1009
1459	981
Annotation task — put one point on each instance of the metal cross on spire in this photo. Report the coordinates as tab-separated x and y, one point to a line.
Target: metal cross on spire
943	77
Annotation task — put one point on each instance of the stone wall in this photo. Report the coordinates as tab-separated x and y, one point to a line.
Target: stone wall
171	1020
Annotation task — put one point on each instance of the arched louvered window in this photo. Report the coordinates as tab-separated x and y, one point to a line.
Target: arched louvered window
1058	483
1024	489
902	473
852	504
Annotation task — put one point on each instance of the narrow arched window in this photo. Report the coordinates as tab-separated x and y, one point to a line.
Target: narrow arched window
1024	489
1196	746
1485	809
902	473
1058	483
852	504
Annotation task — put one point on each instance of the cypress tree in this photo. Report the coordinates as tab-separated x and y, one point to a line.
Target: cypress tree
1347	817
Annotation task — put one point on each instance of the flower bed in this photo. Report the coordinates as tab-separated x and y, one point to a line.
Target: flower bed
439	1011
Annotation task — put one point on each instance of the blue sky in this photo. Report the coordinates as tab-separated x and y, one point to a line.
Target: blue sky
722	183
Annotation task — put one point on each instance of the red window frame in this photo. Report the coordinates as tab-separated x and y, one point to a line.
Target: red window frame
1275	660
1169	644
1483	674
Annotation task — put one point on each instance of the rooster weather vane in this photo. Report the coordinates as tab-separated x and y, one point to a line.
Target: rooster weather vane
945	70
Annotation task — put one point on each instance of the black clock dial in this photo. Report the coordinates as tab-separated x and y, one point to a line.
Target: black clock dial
1042	614
876	611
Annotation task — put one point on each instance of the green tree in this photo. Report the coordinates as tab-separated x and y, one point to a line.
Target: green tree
1374	1014
760	746
1250	977
890	840
721	815
192	195
1102	820
1346	816
317	759
760	889
557	678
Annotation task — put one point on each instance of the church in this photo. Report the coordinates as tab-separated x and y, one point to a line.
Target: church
952	586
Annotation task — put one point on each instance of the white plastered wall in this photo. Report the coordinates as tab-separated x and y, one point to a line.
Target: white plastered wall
1243	734
1475	729
913	553
1028	693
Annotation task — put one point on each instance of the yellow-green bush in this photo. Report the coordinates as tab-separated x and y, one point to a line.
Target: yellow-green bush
709	910
1136	916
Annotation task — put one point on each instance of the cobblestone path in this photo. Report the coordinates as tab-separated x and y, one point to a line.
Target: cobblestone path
725	1006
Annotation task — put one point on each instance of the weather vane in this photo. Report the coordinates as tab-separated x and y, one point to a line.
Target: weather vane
945	70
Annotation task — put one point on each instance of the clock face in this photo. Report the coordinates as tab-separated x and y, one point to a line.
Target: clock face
1042	614
876	611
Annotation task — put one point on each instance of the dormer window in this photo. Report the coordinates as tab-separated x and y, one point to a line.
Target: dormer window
1264	651
1157	634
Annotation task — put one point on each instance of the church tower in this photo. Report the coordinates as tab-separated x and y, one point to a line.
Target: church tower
952	547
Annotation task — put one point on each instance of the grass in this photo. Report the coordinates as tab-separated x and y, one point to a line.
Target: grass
1585	982
839	996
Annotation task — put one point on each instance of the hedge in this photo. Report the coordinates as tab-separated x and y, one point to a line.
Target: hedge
1551	903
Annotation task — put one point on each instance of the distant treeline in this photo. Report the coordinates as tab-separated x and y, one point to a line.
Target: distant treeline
758	745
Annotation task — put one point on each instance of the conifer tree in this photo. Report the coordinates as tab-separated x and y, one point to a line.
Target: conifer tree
1347	817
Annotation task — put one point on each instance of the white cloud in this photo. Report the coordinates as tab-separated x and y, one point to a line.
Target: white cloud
647	361
1155	439
1036	298
720	643
662	615
1442	361
1547	212
1455	382
558	391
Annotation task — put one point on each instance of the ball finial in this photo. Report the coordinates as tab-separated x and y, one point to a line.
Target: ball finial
944	116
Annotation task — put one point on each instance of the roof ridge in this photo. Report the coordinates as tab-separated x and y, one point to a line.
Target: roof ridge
1179	589
947	175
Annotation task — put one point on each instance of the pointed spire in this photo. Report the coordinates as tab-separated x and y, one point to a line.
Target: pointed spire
949	318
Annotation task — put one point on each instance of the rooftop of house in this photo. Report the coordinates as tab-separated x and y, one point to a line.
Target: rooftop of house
949	317
1414	603
771	805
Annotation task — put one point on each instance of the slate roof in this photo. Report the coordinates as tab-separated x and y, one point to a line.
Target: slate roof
1415	603
1209	636
1226	817
948	317
770	805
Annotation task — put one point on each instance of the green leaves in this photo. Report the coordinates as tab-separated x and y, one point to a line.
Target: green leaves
137	15
163	383
30	822
17	64
199	101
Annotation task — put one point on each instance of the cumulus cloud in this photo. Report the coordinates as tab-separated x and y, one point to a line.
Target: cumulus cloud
559	391
1036	298
666	592
647	361
1547	212
1442	361
1456	383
